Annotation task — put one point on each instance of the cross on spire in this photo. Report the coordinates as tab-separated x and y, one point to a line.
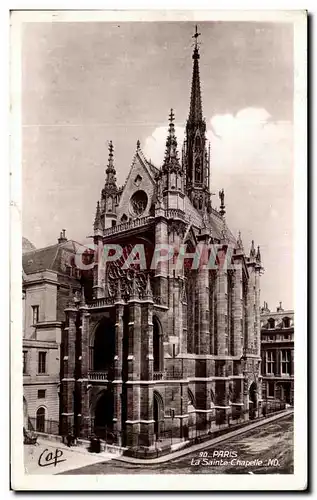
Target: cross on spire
196	35
171	116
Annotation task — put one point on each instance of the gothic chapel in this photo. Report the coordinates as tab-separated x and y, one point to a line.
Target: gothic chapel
158	353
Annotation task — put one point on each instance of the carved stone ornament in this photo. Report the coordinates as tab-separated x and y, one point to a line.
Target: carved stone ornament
115	272
138	202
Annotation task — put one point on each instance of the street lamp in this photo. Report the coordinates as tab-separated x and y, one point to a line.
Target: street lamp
172	413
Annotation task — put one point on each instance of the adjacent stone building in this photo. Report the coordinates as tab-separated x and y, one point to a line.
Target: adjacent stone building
48	273
277	348
163	349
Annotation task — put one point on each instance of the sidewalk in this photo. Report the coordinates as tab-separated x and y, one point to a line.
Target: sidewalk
47	457
205	444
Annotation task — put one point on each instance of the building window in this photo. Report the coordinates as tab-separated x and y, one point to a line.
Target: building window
42	362
286	322
35	314
41	393
25	354
270	391
271	323
286	362
40	420
270	359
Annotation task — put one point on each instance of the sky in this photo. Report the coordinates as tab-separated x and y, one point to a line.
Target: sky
84	84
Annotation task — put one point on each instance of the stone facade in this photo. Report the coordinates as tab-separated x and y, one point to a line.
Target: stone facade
167	350
277	349
47	276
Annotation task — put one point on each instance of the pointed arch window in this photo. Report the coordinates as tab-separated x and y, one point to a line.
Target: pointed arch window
158	353
198	171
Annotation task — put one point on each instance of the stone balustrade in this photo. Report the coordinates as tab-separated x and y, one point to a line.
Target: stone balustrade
97	375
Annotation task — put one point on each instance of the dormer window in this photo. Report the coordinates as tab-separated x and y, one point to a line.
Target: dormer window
286	322
271	323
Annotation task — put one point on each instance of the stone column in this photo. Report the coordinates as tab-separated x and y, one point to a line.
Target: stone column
69	363
161	268
98	272
250	308
117	382
221	311
237	310
84	363
257	339
146	391
203	304
134	370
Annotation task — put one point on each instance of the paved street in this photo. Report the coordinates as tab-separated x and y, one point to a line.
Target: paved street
249	452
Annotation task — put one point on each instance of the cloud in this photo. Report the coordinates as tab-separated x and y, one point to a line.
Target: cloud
154	145
246	142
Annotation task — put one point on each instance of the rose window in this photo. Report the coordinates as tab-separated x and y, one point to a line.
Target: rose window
138	202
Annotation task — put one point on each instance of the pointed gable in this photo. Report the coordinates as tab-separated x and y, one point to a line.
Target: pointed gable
139	189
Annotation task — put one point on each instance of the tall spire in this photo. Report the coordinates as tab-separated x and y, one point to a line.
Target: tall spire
195	110
196	156
110	171
171	155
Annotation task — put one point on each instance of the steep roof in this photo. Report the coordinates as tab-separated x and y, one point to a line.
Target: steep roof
215	221
27	245
54	257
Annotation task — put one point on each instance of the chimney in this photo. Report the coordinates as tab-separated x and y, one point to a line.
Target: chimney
62	237
280	308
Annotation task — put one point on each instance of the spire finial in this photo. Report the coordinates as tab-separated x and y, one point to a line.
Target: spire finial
171	154
138	145
134	291
258	255
252	250
148	289
110	171
222	202
97	223
239	242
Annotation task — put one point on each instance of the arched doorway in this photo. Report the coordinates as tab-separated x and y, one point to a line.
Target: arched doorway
158	364
252	400
104	346
103	418
40	419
